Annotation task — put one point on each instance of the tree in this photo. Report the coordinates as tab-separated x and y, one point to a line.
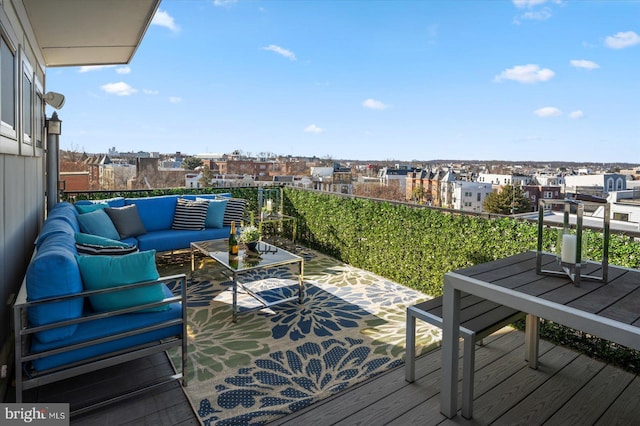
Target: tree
207	176
191	163
508	200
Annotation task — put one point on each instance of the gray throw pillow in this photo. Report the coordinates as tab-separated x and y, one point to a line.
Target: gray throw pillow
126	220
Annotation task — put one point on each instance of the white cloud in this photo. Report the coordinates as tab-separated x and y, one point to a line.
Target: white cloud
312	128
374	104
123	70
583	63
150	92
531	3
622	40
88	68
548	112
576	114
529	73
175	99
163	19
224	3
540	15
281	51
121	89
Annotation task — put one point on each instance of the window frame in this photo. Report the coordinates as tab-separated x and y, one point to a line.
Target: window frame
9	133
26	108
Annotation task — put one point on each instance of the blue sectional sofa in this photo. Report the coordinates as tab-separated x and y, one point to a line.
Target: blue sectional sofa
75	314
157	215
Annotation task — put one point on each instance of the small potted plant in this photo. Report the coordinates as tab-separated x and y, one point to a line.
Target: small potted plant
250	235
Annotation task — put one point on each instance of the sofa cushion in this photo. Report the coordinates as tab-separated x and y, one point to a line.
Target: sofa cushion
91	331
100	272
156	212
190	214
87	208
98	240
54	226
215	212
98	223
126	220
111	202
234	211
65	211
54	255
174	239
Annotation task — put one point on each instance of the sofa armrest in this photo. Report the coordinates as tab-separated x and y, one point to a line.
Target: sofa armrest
81	355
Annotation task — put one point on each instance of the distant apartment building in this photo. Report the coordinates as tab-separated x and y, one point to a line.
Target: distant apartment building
536	192
625	205
633	173
74	181
425	186
395	177
332	179
597	185
504	179
469	196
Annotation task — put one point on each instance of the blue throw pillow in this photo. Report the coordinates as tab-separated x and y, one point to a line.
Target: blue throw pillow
215	212
88	208
100	272
97	240
98	223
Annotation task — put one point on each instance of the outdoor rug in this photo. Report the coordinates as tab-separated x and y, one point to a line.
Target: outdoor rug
273	362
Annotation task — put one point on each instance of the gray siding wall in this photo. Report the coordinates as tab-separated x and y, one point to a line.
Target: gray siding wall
22	207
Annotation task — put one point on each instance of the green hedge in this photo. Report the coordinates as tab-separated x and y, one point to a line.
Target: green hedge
416	246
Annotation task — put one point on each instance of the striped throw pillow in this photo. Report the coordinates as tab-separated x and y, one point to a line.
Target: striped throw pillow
190	215
234	212
95	249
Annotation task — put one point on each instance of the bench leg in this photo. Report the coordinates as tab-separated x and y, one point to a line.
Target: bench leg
468	369
532	340
410	351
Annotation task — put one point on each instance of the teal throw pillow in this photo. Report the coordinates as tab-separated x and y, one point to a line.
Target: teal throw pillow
215	212
100	272
97	240
88	208
98	223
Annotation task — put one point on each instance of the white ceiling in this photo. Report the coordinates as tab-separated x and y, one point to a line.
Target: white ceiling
89	32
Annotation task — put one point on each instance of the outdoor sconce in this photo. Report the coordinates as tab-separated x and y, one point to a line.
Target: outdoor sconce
54	125
569	248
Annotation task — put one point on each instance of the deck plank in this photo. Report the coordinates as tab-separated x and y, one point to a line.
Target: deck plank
593	399
542	403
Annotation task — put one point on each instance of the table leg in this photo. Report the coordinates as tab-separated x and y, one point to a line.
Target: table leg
532	340
300	282
410	351
235	298
450	333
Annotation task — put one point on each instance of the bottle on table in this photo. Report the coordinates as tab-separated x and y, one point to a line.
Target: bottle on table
233	240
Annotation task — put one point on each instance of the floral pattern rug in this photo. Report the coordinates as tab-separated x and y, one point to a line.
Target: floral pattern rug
275	361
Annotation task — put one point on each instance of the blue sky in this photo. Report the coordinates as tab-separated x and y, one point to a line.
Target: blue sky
370	80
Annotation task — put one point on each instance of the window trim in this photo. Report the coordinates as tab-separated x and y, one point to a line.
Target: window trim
26	140
9	134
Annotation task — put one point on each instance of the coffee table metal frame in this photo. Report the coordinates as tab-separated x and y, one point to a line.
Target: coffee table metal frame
269	256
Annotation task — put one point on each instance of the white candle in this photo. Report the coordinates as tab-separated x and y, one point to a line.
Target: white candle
569	246
269	206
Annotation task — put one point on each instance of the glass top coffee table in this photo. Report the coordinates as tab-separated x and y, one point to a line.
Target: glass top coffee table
266	256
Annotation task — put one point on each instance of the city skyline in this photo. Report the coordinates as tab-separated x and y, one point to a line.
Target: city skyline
404	80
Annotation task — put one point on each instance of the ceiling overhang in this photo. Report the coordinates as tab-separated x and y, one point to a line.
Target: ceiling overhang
89	32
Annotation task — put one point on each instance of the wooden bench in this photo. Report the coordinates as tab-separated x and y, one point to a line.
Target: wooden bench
478	319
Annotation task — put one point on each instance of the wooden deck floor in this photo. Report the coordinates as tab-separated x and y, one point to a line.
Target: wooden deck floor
567	389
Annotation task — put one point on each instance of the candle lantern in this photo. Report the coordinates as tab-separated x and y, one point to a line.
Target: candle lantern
570	245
